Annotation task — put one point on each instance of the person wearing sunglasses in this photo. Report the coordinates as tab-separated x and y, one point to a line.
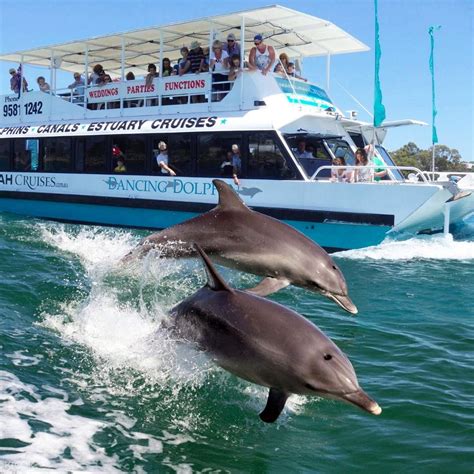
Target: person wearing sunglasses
231	47
261	56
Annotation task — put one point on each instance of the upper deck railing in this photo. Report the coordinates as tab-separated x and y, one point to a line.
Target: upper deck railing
189	93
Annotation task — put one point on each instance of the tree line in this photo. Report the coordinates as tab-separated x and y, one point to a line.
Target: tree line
446	159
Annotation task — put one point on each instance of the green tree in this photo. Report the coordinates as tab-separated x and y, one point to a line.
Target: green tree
446	159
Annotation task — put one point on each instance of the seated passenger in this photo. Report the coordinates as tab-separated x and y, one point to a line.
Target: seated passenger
261	56
363	173
292	73
130	76
120	168
43	85
117	152
162	159
232	165
341	175
301	152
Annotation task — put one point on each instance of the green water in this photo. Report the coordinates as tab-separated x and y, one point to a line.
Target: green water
88	382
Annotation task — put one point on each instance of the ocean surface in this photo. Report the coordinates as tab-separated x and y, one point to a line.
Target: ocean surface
89	382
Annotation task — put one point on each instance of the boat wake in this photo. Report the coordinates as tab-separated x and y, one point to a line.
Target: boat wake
433	247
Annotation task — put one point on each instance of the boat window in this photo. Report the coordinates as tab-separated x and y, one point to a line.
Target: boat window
4	155
311	153
130	150
95	159
26	154
388	161
179	153
56	153
266	160
341	149
213	149
358	139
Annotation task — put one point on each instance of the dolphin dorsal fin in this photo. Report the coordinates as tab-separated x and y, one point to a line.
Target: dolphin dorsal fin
214	280
228	198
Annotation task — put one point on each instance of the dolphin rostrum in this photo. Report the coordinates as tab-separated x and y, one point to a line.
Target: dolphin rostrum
238	237
267	344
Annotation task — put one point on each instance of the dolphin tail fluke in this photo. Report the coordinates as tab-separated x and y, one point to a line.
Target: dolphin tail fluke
228	198
268	285
214	280
275	404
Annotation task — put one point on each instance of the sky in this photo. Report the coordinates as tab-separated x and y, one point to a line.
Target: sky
404	70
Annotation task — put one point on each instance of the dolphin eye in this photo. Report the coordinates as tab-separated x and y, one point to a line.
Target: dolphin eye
327	356
334	267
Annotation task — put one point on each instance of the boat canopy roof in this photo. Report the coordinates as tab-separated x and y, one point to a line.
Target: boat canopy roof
287	30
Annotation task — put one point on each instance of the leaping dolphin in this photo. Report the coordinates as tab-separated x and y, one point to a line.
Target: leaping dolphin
267	344
237	237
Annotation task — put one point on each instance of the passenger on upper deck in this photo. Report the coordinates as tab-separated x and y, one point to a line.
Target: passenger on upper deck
232	47
166	69
196	58
162	159
77	88
301	151
235	68
261	56
284	60
43	85
152	73
279	69
15	81
95	77
219	65
183	64
292	73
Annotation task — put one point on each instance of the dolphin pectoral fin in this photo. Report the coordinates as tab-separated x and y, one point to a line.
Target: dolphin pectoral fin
268	285
214	280
275	404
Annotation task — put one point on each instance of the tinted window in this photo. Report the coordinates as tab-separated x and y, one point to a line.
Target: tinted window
266	160
341	149
95	159
179	154
213	151
56	154
26	154
130	149
4	155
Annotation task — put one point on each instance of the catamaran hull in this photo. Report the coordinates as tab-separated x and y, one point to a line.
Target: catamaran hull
337	216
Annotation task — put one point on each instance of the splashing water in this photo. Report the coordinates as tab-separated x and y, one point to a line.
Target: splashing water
438	247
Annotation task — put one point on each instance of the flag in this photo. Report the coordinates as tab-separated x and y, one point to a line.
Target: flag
379	109
434	134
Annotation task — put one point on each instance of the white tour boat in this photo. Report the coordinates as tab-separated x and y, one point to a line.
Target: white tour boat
59	150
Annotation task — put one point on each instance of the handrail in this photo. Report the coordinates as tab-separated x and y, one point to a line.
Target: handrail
372	167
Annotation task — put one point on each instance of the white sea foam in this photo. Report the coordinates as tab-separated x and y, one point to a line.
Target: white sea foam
434	247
